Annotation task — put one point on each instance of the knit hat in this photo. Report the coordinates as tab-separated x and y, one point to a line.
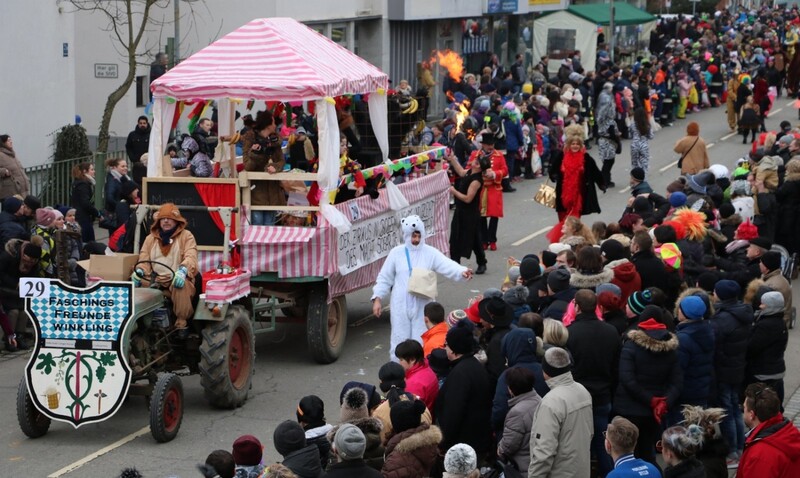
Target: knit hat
247	451
349	442
460	460
773	303
558	247
473	313
45	216
772	260
693	307
516	296
391	374
671	255
11	205
496	311
127	188
459	338
513	274
612	250
438	362
761	242
529	268
675	186
548	258
638	300
492	292
454	316
641	204
406	414
375	398
288	437
727	289
32	250
65	210
747	231
726	210
637	173
609	287
677	199
354	405
32	202
558	279
707	280
311	409
551	369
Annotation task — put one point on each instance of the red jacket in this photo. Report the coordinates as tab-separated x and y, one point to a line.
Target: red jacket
492	191
771	449
422	382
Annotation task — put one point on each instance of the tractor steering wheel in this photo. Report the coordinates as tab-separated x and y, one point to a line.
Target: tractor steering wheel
153	275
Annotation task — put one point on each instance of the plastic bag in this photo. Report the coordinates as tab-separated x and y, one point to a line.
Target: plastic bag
335	218
396	199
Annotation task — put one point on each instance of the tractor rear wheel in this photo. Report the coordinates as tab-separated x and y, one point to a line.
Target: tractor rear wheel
227	359
33	423
326	325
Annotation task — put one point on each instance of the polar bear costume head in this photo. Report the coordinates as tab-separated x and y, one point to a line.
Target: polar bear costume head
412	224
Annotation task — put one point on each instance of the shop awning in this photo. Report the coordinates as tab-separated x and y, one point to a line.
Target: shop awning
600	14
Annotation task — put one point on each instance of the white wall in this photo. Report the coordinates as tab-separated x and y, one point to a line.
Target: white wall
37	83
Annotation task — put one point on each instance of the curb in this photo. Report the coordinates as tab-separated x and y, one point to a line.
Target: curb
792	409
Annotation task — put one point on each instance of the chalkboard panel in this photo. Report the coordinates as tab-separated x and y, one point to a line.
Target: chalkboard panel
183	192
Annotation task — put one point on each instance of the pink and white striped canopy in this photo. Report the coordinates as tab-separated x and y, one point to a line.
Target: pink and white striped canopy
270	59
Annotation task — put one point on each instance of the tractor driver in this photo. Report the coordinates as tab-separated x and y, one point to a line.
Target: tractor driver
170	243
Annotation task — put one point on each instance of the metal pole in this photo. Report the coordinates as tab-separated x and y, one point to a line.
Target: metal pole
177	48
694	7
611	31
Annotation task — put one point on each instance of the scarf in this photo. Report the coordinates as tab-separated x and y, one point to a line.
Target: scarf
571	179
166	240
735	245
90	179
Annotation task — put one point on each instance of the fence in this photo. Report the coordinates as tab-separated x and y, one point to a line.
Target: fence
52	182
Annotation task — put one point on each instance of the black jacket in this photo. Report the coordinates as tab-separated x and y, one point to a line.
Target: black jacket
82	199
648	367
766	346
650	269
9	279
556	305
595	353
137	144
495	362
352	469
618	319
464	406
732	323
696	355
690	468
591	177
767	216
743	275
304	462
12	227
788	217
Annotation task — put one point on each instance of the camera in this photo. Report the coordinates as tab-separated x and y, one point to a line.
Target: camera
270	142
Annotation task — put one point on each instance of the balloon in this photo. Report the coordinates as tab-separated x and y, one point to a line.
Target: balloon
170	100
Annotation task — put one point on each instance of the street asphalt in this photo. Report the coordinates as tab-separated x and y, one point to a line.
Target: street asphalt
284	371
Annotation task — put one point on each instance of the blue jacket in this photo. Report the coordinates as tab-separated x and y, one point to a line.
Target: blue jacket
514	138
627	466
519	349
696	356
12	227
732	324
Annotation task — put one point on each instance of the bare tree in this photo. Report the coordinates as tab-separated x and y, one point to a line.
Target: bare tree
127	22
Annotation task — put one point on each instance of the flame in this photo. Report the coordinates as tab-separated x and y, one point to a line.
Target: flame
462	114
451	61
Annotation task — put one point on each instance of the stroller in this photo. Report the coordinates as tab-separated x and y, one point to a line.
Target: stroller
789	271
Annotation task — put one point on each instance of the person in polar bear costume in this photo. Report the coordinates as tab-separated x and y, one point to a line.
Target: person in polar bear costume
407	310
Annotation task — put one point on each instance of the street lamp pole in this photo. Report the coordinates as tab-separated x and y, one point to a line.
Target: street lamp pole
611	31
176	44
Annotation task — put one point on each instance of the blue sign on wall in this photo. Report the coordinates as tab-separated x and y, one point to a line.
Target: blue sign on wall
65	50
503	6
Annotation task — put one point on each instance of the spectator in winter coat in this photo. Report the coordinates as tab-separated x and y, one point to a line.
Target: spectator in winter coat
434	336
515	444
247	453
772	275
695	353
303	459
559	294
464	404
349	444
413	449
82	199
116	177
767	344
650	382
612	307
752	270
773	446
649	267
137	145
619	441
519	350
496	317
678	448
420	379
626	277
355	411
393	383
12	221
562	425
732	323
594	345
589	272
311	416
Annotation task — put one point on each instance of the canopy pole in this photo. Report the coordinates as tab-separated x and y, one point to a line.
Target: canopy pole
232	146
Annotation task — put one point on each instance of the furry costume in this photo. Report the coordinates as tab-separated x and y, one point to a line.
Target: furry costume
407	310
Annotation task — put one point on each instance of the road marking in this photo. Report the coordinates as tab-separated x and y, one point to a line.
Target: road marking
625	189
709	146
774	111
728	136
531	236
74	466
791	103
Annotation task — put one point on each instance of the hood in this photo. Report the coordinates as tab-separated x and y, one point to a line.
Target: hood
168	210
368	426
411	440
694	291
580	280
532	396
780	434
623	269
752	289
519	346
304	462
409	225
13	246
743	313
734	220
769	163
318	431
657	341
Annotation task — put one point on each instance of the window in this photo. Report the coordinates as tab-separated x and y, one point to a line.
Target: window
142	91
560	43
339	33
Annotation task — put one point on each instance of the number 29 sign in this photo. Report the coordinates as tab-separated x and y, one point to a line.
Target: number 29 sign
77	372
